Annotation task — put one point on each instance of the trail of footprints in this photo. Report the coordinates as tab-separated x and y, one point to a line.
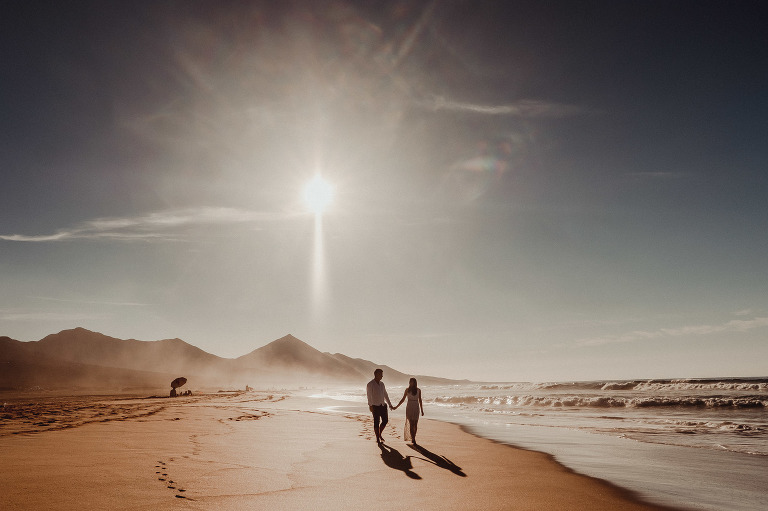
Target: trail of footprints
391	431
366	423
162	475
161	469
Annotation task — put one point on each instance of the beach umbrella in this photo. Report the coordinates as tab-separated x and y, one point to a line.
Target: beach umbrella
178	382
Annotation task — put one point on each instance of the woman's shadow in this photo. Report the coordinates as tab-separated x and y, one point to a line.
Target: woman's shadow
393	459
437	459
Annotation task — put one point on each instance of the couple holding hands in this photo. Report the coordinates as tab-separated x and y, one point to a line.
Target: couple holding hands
378	401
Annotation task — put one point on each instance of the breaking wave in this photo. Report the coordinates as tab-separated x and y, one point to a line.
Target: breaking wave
573	401
704	384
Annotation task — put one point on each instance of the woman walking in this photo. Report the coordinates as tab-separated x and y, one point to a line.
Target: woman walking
413	395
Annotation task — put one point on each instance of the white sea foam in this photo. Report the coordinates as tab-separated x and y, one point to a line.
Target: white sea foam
606	401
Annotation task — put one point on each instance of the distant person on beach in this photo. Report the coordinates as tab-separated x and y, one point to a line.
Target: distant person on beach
377	403
413	394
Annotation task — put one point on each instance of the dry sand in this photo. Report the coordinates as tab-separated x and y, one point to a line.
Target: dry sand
271	451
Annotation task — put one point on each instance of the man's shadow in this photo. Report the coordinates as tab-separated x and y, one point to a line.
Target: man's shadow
393	459
437	459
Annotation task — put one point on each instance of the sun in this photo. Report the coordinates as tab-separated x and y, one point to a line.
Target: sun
318	194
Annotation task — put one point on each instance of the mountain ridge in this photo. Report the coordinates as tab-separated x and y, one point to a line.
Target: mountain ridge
83	358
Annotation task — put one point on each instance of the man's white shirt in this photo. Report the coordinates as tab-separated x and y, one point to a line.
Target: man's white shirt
377	393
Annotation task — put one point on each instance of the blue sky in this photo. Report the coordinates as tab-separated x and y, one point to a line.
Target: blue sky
522	190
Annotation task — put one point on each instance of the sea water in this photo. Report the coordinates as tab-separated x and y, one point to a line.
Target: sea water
693	443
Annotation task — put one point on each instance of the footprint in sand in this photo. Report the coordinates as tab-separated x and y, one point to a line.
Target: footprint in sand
367	431
367	428
163	472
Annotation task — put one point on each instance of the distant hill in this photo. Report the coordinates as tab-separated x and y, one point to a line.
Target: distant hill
168	355
289	355
86	359
24	368
296	358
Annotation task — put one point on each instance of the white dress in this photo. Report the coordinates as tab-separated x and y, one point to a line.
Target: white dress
412	412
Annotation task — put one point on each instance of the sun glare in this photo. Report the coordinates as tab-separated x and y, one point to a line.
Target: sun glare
318	194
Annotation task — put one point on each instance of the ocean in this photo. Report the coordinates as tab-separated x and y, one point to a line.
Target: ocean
693	443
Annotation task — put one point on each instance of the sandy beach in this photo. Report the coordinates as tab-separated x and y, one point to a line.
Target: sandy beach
262	450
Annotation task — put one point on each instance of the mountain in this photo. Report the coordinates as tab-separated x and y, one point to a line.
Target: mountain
23	368
295	357
168	355
289	356
86	359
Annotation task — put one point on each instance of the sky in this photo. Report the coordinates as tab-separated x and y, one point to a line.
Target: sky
522	191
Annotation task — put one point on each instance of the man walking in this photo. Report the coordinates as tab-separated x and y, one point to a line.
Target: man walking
377	403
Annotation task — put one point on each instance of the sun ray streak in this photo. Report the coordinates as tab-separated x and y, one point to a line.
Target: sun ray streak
318	270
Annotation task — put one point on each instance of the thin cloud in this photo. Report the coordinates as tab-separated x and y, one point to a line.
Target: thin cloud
523	108
162	225
659	175
415	336
735	325
45	316
91	302
413	33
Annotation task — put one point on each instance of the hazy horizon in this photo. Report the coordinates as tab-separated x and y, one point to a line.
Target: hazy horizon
296	379
520	191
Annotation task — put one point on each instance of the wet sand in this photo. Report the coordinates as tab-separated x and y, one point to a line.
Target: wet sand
261	450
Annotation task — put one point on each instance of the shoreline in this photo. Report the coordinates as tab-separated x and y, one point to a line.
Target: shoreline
622	491
282	451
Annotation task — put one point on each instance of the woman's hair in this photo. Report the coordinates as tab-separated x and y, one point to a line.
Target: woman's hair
412	386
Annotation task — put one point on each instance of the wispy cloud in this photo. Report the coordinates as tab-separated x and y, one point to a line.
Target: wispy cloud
522	108
162	225
659	175
91	302
735	325
11	315
413	336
